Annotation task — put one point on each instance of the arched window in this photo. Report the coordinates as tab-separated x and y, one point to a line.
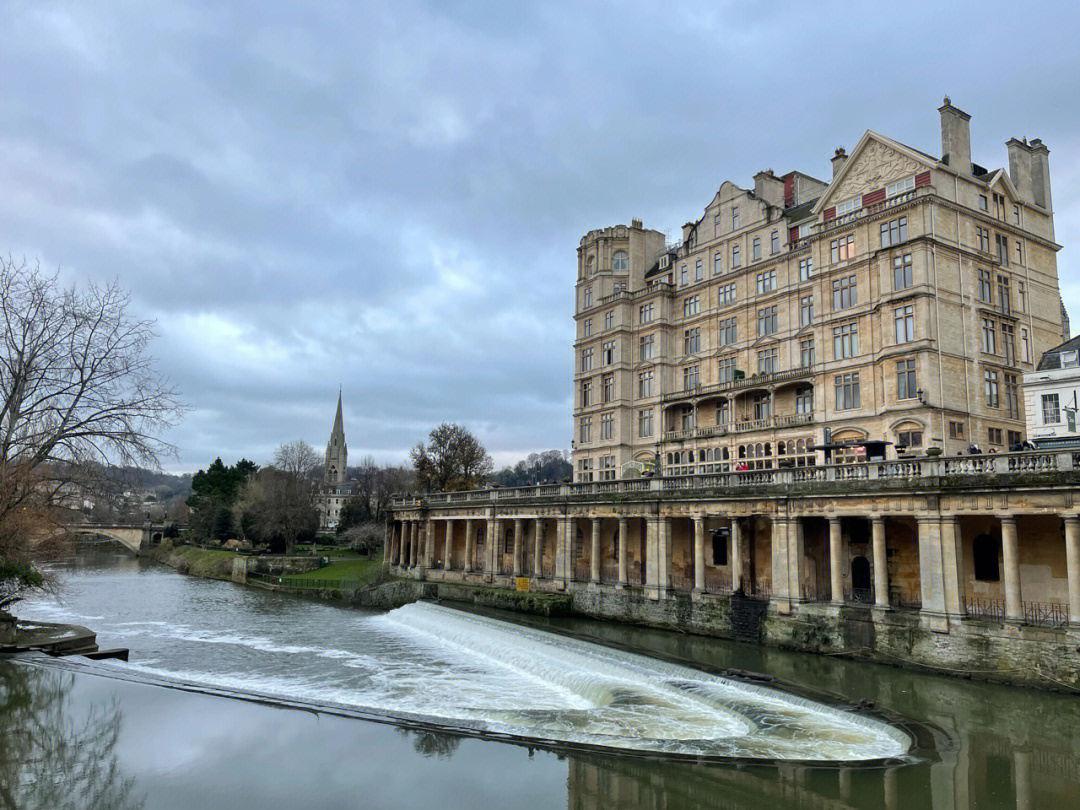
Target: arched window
590	266
984	550
725	454
618	261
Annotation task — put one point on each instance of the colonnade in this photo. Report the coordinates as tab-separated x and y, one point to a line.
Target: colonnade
937	553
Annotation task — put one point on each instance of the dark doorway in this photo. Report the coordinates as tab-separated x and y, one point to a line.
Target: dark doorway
860	580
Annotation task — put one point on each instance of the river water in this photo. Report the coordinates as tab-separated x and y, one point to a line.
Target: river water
576	724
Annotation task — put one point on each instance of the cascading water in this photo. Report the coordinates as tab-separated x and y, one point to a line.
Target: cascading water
424	662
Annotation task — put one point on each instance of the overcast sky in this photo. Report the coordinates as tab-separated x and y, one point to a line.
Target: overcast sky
389	195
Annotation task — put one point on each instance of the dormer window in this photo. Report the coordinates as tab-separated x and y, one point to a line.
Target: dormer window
900	186
1070	359
664	261
847	206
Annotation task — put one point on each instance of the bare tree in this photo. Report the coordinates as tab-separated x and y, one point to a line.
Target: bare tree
452	459
78	392
297	458
278	508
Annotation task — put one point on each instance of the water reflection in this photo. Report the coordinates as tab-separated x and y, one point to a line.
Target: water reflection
55	754
432	743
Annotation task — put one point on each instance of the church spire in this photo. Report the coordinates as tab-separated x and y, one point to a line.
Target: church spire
339	425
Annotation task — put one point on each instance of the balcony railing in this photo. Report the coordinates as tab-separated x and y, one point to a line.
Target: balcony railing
753	381
928	470
744	426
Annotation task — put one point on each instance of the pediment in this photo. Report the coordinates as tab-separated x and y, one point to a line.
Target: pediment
875	162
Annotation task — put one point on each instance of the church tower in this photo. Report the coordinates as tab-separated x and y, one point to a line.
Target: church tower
337	454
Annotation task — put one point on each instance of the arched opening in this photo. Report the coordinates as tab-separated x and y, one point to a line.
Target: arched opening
860	574
985	551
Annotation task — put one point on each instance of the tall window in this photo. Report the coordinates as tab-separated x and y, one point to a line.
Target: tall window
845	293
586	359
766	321
728	333
586	329
698	273
726	370
989	336
902	276
893	232
585	432
982	239
999	207
774	242
906	384
618	260
847	391
1004	297
806	352
762	406
587	298
983	203
766	281
645	423
692	340
1051	411
607	468
735	261
608	386
585	466
586	393
590	266
691	306
806	269
607	425
845	340
734	217
726	295
1008	343
806	310
607	356
723	412
1002	244
766	361
1019	252
904	319
609	319
1025	345
1021	296
717	263
684	276
647	345
990	383
691	378
687	417
804	399
842	248
645	383
1012	396
986	289
645	313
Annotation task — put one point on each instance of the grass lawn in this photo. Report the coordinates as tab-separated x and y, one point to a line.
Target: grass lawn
353	570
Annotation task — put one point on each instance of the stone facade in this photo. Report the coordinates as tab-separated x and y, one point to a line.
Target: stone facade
903	300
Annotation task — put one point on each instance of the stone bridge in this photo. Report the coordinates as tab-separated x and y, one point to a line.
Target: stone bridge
135	537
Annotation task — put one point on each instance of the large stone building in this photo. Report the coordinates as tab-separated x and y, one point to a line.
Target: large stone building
767	360
901	301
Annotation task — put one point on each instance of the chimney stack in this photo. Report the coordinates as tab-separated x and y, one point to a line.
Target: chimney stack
1040	174
839	158
955	138
1020	167
769	188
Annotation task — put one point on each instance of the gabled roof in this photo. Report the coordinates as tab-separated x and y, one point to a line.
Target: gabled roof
1000	176
913	155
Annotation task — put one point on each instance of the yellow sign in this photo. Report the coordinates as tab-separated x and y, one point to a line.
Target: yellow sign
522	583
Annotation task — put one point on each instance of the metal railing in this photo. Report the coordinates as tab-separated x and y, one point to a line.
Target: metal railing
753	381
1046	614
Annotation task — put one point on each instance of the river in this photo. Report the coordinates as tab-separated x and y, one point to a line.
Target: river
240	696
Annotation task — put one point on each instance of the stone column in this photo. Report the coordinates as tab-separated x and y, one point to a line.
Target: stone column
796	559
624	541
881	570
470	546
448	545
594	552
699	554
410	559
1072	566
657	557
562	541
538	547
952	566
519	526
735	558
1014	608
781	587
836	571
931	571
